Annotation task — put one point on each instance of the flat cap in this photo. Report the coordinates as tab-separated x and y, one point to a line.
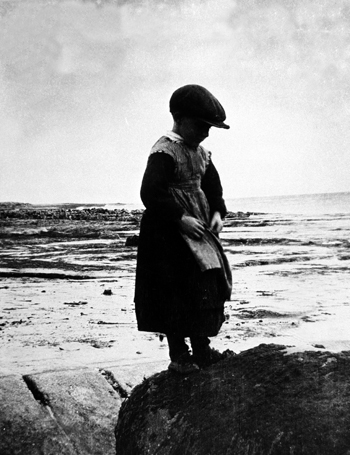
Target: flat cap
196	101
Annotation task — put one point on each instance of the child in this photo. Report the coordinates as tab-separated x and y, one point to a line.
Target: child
182	274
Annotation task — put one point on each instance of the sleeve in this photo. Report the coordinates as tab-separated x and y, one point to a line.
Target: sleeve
155	184
211	185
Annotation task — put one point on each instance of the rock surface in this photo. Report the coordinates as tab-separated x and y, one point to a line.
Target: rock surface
84	405
60	412
262	401
26	425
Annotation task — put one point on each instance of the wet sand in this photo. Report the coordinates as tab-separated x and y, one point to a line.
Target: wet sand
66	293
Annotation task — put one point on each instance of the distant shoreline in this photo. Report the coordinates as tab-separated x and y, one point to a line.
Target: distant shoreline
63	205
304	204
104	204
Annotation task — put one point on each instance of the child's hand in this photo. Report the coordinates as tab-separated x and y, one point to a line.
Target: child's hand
192	227
216	223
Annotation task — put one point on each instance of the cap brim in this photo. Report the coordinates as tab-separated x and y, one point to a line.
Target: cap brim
215	124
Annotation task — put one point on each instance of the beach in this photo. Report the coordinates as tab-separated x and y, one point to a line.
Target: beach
67	288
70	349
67	291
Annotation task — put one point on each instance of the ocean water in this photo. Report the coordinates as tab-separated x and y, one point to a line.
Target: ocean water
291	259
290	262
317	204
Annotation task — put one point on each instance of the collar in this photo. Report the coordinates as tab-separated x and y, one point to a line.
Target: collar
174	136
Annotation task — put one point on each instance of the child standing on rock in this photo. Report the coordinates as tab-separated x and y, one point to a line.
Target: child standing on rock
182	275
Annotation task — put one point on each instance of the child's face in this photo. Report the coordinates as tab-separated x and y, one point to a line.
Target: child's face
193	131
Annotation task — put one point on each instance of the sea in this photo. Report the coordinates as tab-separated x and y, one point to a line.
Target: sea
316	204
291	258
290	262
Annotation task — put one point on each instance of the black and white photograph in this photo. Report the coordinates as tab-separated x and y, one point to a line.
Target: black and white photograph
174	227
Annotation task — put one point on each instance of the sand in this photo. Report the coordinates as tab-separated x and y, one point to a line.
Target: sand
66	297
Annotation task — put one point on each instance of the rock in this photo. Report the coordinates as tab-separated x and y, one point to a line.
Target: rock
132	240
83	405
75	303
67	212
318	346
240	215
261	401
26	426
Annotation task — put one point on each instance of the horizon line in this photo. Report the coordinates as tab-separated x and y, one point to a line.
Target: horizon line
140	202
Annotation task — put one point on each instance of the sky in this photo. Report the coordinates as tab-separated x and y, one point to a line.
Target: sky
85	88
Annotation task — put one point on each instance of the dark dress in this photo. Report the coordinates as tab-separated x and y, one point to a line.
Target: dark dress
181	284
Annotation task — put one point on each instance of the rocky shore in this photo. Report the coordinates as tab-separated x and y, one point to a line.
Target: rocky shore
10	211
66	212
70	350
260	402
20	221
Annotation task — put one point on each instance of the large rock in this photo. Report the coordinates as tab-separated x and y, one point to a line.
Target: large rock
262	401
27	427
58	413
84	405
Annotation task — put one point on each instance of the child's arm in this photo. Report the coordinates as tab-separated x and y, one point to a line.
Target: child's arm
192	227
157	199
211	185
216	223
154	189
